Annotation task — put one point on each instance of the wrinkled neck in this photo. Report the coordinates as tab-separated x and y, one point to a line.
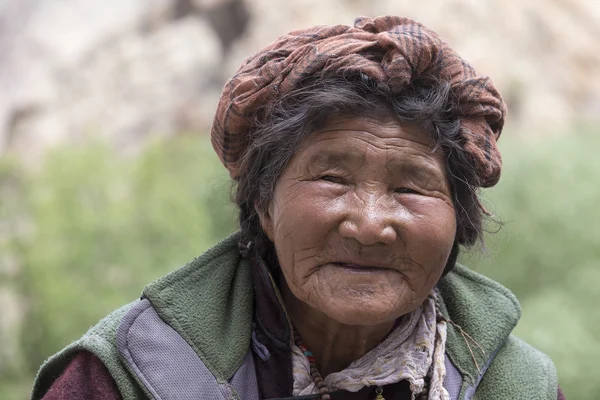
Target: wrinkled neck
335	345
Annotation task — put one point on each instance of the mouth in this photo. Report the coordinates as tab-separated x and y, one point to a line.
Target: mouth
359	267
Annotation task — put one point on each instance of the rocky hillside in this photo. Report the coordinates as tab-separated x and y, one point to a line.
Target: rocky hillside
128	70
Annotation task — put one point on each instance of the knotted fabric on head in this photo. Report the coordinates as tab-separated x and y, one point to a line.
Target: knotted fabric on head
391	50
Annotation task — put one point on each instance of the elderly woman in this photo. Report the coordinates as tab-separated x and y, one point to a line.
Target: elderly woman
357	154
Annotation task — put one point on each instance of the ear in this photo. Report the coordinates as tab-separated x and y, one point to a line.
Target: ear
266	220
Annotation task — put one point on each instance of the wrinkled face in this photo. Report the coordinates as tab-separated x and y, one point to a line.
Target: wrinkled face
362	220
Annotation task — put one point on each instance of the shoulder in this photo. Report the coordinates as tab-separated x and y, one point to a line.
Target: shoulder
519	371
485	312
480	310
207	302
85	378
475	287
99	340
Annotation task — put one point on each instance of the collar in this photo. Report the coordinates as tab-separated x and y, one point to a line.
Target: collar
209	302
270	315
481	314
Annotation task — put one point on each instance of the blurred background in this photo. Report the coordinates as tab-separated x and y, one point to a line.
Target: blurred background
108	179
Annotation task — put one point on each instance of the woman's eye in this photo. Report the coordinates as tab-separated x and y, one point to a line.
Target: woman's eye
405	190
330	178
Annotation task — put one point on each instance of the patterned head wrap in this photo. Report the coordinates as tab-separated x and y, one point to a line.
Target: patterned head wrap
391	50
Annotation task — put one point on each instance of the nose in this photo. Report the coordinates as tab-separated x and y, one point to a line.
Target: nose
370	221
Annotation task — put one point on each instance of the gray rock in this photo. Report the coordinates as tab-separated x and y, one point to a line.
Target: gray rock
129	70
80	69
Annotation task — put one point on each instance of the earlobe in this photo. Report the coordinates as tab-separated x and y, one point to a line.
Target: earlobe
266	221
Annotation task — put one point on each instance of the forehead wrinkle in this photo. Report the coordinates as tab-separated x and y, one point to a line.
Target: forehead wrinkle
401	159
351	143
369	138
380	143
387	128
337	157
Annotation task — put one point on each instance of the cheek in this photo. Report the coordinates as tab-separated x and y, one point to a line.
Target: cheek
302	223
431	234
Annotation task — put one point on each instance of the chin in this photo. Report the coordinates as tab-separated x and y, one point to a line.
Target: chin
361	312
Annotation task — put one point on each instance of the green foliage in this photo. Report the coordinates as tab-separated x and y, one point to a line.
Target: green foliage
92	228
548	252
105	226
14	377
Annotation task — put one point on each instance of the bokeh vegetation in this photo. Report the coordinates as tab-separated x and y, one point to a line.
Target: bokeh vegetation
87	230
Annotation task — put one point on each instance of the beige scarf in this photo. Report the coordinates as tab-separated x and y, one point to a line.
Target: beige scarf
412	351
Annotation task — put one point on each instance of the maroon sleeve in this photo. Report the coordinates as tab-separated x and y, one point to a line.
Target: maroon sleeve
85	378
560	395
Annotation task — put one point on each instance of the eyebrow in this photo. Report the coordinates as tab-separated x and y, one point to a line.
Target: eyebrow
422	171
419	170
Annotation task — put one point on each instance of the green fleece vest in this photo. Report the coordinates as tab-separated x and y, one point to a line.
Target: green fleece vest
209	303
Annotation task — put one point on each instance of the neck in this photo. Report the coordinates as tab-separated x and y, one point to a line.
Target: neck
334	345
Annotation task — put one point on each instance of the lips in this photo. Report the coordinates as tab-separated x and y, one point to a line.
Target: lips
359	267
